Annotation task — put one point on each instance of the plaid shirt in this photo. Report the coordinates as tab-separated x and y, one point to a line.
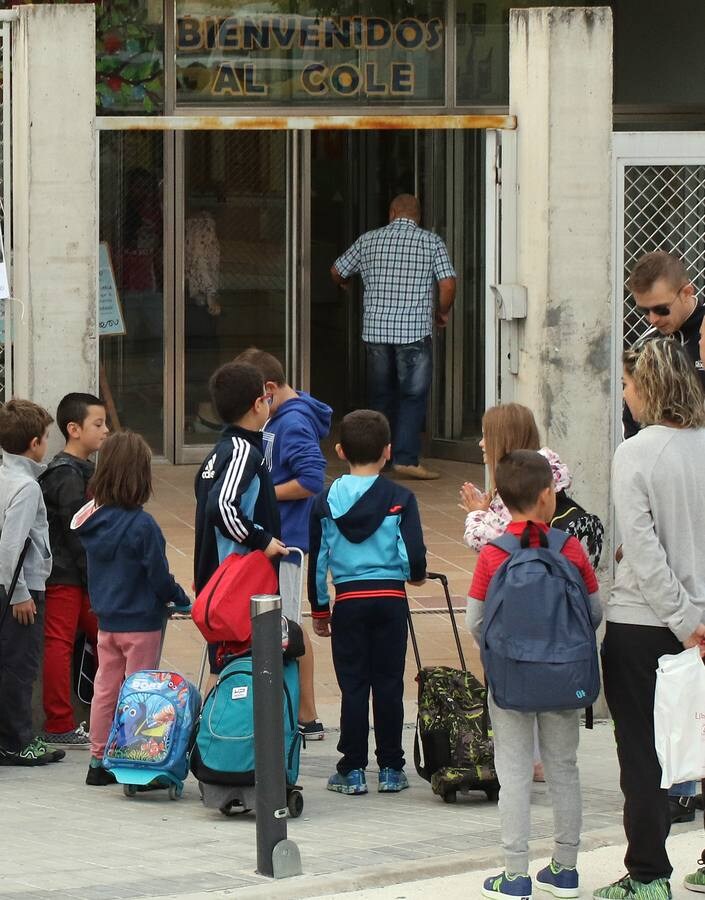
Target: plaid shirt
398	265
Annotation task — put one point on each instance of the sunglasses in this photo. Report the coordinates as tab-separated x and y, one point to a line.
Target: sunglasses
661	309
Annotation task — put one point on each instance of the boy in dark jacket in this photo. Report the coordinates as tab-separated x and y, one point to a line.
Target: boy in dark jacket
81	420
367	531
297	424
236	509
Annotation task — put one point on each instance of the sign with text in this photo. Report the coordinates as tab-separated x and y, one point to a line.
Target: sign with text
110	318
224	56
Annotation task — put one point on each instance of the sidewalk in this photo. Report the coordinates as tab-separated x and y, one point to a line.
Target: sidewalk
62	839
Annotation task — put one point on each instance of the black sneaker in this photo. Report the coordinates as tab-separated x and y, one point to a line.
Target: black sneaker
682	809
35	753
99	776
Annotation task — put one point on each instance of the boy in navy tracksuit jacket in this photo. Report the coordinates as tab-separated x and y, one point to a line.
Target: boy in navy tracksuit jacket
236	510
367	531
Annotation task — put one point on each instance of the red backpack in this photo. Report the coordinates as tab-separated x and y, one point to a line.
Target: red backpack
221	610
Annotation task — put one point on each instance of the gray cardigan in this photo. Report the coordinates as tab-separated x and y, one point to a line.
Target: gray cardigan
23	514
659	497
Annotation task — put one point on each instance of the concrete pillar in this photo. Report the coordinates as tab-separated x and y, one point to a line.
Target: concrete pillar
560	82
54	202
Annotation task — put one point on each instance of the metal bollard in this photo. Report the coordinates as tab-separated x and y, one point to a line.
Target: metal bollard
277	857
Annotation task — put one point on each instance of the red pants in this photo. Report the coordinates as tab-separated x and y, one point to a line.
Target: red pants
68	611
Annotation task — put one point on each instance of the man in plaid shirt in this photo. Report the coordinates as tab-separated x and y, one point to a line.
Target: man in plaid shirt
400	264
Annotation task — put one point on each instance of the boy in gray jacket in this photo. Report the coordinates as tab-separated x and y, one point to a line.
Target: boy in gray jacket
24	428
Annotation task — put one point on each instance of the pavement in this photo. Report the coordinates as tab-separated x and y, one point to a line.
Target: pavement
62	840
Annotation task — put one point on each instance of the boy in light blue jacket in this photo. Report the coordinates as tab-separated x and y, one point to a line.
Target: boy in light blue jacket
366	530
24	429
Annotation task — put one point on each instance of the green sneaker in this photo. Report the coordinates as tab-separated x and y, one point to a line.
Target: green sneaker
629	889
696	881
36	753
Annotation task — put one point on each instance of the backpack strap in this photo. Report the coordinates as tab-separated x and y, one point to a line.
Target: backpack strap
507	542
557	539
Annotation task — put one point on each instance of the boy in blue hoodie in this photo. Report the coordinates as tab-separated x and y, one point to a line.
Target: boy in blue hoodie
297	424
367	531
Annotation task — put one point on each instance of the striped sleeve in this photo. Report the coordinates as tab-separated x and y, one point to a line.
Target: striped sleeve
225	500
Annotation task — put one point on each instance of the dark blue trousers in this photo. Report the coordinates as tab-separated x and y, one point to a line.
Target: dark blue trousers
368	637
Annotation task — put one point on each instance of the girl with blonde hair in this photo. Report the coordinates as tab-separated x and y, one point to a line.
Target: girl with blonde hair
508	427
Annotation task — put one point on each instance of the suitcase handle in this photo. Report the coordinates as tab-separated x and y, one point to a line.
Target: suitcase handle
439	576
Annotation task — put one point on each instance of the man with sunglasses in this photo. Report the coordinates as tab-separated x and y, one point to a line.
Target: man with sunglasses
665	297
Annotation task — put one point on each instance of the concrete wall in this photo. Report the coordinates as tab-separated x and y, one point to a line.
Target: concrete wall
561	93
54	203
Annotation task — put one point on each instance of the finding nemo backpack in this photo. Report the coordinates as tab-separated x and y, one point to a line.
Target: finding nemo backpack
538	643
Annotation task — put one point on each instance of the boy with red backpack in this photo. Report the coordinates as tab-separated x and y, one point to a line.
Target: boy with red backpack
533	607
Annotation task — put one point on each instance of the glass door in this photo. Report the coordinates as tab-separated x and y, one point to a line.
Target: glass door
232	257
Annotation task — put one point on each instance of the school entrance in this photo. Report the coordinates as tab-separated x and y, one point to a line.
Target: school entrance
220	239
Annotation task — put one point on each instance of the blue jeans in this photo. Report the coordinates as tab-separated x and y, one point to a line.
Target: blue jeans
684	789
398	379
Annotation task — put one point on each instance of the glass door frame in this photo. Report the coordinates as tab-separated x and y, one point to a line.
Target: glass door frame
298	307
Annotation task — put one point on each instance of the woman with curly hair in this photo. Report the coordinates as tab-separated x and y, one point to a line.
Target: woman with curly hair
657	603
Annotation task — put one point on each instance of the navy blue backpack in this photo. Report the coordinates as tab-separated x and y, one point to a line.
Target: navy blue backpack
538	644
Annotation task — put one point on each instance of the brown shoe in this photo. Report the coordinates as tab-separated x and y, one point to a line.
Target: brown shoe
419	472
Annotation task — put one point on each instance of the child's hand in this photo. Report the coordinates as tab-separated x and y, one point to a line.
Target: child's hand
25	612
472	499
275	548
321	626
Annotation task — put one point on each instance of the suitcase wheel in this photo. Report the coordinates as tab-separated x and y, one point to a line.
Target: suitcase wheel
129	790
450	797
295	804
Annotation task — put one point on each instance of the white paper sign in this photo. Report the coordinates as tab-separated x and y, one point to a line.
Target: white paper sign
110	318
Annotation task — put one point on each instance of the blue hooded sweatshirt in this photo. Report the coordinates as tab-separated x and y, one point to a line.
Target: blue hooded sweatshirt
366	530
129	582
298	426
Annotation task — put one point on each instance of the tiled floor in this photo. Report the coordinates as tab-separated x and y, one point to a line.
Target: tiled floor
442	520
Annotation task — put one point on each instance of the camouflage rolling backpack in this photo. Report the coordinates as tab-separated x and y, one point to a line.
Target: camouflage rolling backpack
452	727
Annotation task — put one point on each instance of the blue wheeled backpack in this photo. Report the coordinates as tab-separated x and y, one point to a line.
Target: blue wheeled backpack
538	644
224	748
155	716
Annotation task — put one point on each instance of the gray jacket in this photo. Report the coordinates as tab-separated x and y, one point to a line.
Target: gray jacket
23	514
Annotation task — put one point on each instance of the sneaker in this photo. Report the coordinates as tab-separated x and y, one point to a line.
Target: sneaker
628	888
421	473
558	880
312	731
36	753
505	885
97	774
77	739
391	781
352	783
682	809
696	881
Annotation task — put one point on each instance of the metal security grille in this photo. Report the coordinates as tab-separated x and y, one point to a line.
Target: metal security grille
664	209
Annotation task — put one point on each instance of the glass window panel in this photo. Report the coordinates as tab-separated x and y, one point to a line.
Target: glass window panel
129	57
645	69
131	231
228	52
482	48
235	251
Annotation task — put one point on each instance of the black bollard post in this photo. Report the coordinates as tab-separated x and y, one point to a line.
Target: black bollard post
277	857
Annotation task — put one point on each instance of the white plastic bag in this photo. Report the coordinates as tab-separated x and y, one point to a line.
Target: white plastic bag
679	717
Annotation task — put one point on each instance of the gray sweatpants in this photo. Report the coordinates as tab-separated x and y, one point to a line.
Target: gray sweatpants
514	760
